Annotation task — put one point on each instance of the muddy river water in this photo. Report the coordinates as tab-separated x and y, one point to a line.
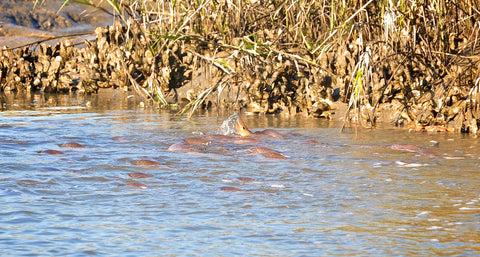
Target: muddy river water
124	193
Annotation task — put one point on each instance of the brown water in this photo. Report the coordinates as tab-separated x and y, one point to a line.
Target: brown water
340	195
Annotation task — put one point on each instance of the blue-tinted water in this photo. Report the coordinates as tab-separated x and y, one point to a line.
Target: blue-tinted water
341	195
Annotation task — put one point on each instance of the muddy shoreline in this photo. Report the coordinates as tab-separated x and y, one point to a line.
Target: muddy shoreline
351	80
26	22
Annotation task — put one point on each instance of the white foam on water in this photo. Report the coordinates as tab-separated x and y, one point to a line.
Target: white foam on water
468	208
409	165
414	165
228	126
453	158
454	223
423	213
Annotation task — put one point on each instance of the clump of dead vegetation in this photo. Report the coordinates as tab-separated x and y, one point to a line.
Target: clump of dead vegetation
406	62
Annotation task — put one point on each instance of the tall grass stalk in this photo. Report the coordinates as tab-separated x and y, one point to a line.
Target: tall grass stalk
362	80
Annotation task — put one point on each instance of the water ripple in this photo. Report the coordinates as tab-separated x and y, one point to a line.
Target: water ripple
336	194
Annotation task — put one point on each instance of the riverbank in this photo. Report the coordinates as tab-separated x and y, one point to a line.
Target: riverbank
27	22
376	62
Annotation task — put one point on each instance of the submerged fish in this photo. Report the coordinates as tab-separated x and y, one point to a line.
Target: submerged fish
136	185
50	152
231	189
72	144
145	162
182	147
139	175
233	130
405	147
243	131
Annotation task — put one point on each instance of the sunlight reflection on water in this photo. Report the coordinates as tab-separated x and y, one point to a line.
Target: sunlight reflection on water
336	194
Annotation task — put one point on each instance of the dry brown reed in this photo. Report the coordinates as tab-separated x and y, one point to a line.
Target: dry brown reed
420	58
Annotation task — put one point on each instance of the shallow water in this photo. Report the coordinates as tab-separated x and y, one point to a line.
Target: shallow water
344	194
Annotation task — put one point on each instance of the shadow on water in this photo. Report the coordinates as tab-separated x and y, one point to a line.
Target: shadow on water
113	187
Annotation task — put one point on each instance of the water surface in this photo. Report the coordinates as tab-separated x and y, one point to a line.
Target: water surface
337	194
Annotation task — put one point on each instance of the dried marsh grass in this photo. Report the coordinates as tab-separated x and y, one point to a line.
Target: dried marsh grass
296	57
